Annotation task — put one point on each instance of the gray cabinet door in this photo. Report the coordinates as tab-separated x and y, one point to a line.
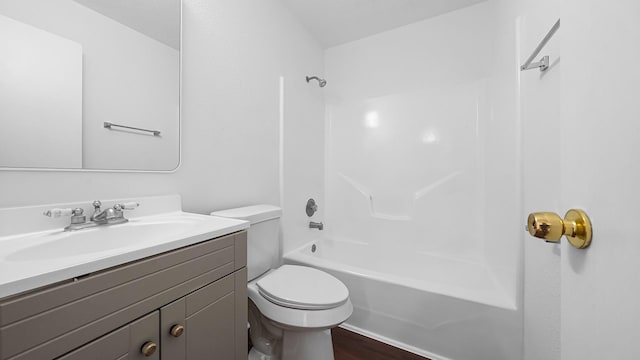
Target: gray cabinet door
210	321
126	343
145	332
173	332
211	331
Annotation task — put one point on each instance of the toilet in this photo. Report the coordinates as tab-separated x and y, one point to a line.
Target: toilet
292	308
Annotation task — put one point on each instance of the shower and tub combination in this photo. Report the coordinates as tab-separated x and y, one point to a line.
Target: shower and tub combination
421	201
416	270
414	245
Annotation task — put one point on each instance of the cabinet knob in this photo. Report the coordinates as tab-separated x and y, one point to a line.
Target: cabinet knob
149	348
177	330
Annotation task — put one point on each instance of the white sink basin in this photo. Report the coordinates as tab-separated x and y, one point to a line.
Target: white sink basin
102	239
35	259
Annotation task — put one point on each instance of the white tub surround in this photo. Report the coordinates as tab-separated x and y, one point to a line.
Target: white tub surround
423	202
35	251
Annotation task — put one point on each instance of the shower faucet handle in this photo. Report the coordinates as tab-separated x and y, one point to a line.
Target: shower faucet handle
312	207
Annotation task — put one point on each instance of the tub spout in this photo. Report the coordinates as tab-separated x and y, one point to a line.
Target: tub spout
316	225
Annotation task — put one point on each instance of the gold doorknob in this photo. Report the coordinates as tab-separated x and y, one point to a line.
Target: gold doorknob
149	348
176	330
549	226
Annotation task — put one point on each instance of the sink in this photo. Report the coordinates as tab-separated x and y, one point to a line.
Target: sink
31	260
102	239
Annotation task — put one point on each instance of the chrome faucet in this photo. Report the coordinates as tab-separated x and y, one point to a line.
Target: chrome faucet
110	216
98	214
101	216
316	225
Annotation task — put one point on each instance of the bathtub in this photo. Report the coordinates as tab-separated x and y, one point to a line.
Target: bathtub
447	309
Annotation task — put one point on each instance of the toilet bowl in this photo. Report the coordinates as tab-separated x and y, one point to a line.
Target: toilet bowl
292	308
290	317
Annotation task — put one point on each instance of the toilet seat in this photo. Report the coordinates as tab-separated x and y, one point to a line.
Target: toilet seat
290	318
304	288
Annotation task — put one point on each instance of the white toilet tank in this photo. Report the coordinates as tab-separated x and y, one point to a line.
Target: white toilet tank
263	242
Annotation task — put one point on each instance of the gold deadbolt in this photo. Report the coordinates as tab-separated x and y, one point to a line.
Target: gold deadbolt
149	348
549	226
177	330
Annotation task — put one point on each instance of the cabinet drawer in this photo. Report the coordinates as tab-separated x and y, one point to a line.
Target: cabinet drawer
50	322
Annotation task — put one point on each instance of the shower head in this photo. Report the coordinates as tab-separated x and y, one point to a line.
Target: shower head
321	82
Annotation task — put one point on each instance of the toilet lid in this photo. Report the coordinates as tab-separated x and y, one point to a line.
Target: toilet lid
301	287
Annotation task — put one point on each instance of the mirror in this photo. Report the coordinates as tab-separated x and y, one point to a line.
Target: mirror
90	84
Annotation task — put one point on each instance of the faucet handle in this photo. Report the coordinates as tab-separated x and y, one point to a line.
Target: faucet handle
128	205
77	216
311	208
96	205
57	212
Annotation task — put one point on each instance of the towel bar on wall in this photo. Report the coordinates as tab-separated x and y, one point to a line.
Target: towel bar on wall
543	64
109	125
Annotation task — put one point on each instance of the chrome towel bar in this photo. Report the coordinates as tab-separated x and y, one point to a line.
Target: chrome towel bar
109	125
543	64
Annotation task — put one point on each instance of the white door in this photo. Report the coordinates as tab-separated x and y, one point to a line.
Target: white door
600	152
540	106
581	149
581	136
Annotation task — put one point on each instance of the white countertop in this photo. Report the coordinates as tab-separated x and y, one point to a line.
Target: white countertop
35	259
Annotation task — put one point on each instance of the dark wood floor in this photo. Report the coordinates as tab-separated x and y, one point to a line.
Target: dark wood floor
351	346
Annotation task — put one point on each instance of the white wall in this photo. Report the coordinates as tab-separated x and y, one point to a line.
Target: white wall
128	78
304	168
234	54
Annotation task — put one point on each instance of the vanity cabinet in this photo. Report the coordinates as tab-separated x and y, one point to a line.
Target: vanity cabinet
189	303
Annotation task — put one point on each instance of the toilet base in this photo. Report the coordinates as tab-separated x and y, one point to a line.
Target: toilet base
303	345
254	354
307	345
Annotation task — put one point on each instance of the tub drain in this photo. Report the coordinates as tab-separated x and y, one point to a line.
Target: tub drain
313	248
